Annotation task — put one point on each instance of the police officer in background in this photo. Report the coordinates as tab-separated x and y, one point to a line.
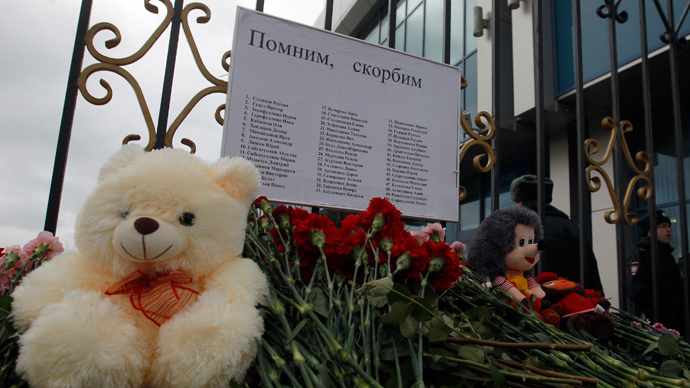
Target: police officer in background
561	254
669	279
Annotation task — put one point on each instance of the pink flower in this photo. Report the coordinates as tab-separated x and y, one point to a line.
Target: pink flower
432	231
44	244
11	261
459	247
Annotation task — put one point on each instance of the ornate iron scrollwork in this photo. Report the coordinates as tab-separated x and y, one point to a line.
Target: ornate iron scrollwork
478	140
115	65
594	183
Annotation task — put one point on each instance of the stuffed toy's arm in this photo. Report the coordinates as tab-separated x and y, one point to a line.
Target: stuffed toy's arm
219	329
535	289
503	283
242	279
48	284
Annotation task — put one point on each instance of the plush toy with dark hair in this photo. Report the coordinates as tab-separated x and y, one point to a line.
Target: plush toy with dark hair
583	309
505	249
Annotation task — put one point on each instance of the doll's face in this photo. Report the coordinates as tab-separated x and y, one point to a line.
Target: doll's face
525	254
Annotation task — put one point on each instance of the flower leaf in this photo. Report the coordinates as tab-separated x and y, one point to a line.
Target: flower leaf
472	353
400	293
668	345
296	330
378	301
399	311
420	310
651	347
499	379
409	327
671	368
379	287
438	332
319	302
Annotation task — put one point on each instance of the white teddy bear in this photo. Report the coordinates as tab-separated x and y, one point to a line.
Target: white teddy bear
157	293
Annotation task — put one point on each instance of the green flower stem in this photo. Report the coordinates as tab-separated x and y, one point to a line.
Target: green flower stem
398	373
639	374
299	359
420	356
419	383
365	327
527	377
263	371
328	278
281	364
343	354
350	305
377	349
521	345
545	372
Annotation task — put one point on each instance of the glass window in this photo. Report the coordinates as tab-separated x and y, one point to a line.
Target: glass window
595	37
457	31
400	13
384	28
414	42
470	207
470	41
433	30
400	38
470	73
373	36
412	4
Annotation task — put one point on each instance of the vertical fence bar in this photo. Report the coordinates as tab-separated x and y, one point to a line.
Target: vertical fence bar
391	22
617	154
329	16
649	145
584	203
67	119
678	133
496	102
169	74
538	42
446	30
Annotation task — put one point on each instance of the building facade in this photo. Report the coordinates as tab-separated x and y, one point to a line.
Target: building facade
548	103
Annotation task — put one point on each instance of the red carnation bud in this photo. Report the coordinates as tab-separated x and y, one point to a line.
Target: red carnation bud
436	264
378	223
317	238
403	262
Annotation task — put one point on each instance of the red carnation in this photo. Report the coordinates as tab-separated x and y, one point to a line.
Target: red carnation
381	216
314	232
410	258
444	263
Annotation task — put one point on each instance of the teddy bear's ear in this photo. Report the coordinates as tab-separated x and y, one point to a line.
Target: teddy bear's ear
126	155
238	177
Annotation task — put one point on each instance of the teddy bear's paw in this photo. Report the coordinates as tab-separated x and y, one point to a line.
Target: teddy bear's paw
82	341
208	344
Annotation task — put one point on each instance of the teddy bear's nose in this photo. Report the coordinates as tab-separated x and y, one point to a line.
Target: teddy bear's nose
145	225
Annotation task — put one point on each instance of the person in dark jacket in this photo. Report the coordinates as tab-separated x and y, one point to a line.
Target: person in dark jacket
561	235
639	277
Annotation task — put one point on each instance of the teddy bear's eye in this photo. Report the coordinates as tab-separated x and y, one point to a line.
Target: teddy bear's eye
124	214
187	219
522	242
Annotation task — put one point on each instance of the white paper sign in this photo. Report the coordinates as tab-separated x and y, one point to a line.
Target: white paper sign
331	121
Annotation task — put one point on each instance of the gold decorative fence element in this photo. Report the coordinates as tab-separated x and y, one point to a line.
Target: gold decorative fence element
594	183
479	140
116	65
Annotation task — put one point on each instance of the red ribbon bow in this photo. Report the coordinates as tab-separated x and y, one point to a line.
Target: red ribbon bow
158	298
